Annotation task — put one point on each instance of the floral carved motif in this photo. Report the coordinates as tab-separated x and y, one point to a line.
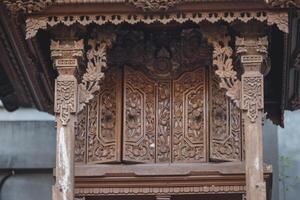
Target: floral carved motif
97	62
222	59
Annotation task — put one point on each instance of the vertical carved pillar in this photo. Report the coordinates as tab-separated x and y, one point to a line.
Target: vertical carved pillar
252	52
65	55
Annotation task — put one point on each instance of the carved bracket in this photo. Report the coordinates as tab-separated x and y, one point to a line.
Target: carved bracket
97	62
222	59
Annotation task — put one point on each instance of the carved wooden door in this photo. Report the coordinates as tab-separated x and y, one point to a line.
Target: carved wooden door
164	117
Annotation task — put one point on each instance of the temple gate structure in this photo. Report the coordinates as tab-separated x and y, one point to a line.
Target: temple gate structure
159	99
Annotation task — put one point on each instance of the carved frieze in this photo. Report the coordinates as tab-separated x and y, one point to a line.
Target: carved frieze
33	24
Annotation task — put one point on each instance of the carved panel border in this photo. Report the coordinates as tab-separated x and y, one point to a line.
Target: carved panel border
220	189
33	24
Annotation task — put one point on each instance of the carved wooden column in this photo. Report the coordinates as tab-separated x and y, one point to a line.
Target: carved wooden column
65	55
252	52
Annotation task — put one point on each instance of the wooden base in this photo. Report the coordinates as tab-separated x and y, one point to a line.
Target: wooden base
162	179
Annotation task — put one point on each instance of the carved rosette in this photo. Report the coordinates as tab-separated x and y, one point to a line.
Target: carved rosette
65	57
97	62
253	53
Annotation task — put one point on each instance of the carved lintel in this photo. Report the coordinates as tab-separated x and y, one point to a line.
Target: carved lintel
222	59
97	62
65	57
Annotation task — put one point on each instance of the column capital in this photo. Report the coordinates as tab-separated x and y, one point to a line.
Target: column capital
253	52
66	55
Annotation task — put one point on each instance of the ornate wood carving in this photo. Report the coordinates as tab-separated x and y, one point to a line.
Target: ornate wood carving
222	59
225	125
27	6
215	189
284	3
65	55
189	120
81	137
154	5
96	64
104	121
33	24
139	118
252	52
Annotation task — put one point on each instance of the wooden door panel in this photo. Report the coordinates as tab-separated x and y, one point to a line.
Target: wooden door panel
104	121
225	126
189	117
139	117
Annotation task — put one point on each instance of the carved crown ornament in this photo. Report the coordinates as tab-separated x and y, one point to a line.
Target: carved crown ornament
33	24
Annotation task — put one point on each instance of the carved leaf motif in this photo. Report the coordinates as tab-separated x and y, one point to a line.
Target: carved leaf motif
81	137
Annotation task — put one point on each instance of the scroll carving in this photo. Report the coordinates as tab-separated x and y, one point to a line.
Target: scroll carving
97	62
